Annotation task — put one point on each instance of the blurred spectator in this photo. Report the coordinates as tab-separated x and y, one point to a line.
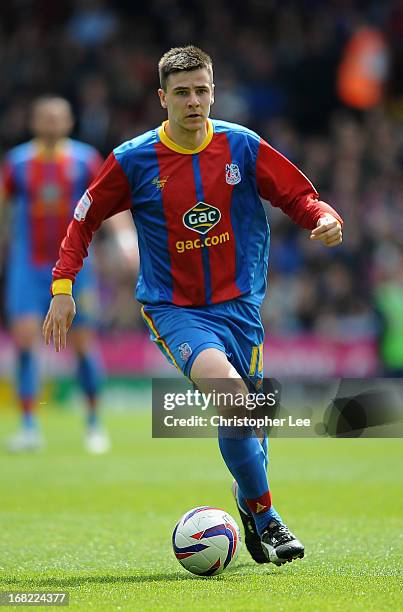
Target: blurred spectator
276	67
93	113
92	23
363	70
388	299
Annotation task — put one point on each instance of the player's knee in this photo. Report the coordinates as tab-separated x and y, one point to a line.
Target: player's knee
82	340
211	371
25	334
212	363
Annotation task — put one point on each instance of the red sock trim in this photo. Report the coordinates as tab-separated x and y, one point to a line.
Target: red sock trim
92	402
260	504
27	405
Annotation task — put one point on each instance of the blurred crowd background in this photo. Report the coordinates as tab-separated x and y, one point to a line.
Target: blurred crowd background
322	81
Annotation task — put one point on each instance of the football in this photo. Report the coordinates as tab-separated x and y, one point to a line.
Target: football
206	541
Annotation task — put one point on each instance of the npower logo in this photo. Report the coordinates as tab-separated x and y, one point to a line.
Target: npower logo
201	218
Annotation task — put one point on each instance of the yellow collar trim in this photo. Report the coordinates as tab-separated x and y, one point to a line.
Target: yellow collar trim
50	154
175	147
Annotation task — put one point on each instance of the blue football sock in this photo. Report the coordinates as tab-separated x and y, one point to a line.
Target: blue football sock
265	446
264	518
92	418
89	374
242	501
245	459
29	420
27	374
240	496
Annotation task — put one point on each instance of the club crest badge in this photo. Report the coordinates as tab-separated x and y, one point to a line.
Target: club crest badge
185	350
232	174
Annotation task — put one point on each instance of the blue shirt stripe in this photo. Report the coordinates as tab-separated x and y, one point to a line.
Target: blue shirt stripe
205	251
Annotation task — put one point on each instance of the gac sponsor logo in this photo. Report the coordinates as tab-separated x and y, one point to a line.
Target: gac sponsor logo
200	243
201	218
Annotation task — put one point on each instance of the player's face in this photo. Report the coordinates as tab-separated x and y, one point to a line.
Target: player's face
188	98
52	120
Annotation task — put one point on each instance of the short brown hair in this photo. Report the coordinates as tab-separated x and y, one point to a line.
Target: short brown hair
183	59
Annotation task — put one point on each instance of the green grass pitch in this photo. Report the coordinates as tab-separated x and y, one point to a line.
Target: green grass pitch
100	527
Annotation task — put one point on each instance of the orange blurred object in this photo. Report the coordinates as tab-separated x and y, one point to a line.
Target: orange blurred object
363	70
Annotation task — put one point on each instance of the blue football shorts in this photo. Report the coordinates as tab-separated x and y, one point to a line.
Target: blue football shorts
28	293
233	327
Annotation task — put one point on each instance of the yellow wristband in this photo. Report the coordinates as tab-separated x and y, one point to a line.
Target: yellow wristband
62	285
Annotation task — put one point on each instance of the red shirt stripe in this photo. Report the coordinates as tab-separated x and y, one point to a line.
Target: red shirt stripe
50	196
36	178
223	256
187	267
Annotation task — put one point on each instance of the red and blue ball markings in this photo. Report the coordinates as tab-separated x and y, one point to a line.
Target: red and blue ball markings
224	529
186	551
196	510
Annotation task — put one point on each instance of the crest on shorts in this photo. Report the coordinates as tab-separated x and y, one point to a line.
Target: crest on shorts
232	174
185	350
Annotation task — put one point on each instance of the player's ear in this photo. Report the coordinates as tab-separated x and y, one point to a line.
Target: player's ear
162	97
212	93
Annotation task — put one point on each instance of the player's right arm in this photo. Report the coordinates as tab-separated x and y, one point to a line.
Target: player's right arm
58	320
108	194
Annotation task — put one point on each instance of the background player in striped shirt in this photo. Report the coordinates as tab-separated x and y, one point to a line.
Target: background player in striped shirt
193	186
43	179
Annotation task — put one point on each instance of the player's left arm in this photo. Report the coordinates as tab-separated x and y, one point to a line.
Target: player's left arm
328	230
286	187
120	227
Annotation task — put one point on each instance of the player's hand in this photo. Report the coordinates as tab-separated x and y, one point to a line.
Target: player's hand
328	231
58	321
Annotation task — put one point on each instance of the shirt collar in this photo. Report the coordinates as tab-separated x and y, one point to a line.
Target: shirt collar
164	138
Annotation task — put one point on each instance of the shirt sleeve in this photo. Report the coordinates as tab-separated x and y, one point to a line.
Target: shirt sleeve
286	187
106	196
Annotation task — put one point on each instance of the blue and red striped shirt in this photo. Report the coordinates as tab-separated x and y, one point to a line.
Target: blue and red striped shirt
202	229
45	191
